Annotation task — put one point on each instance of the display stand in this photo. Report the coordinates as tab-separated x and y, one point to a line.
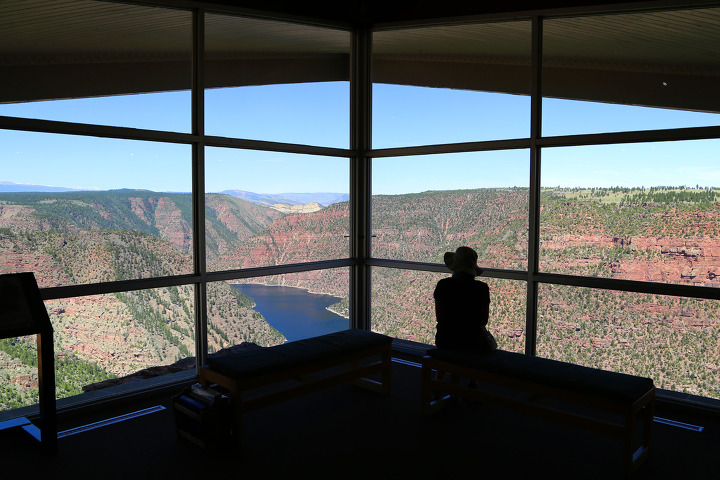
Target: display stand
22	312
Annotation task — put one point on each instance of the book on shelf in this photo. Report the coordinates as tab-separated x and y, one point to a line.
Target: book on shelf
207	395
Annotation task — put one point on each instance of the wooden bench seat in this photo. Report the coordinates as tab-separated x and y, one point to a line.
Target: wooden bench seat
265	376
607	402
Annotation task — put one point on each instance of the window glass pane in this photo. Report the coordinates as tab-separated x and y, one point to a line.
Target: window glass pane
673	340
403	307
19	371
277	81
637	71
100	62
450	84
426	205
102	341
266	208
646	212
291	306
84	210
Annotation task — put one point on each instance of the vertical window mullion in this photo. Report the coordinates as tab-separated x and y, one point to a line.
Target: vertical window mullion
535	190
360	177
198	189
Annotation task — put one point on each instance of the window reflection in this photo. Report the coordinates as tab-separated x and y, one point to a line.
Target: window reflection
446	84
613	73
65	67
269	80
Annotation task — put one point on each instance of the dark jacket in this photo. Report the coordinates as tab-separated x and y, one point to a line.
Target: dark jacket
461	307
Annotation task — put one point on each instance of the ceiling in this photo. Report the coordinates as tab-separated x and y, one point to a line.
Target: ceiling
74	48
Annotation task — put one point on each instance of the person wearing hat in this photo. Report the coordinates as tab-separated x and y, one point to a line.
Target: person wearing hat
462	305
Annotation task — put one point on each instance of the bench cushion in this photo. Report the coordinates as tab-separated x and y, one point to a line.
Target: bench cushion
599	383
251	363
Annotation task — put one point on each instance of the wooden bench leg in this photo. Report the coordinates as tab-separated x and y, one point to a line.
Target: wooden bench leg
236	420
636	445
386	375
383	386
430	402
426	389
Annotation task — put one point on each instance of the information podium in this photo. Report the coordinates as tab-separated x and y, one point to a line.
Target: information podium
22	312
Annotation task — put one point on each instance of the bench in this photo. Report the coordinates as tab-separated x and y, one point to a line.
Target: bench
261	377
615	404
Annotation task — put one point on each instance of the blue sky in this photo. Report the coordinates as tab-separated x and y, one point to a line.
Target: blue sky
318	114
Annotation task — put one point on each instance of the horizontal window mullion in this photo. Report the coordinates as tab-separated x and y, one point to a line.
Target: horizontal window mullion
247	144
571	280
278	269
630	285
71	128
482	146
642	136
439	268
52	293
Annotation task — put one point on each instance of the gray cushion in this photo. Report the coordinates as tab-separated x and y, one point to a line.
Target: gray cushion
265	360
592	381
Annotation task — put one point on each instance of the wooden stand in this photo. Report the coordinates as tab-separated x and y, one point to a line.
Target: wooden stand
201	417
22	312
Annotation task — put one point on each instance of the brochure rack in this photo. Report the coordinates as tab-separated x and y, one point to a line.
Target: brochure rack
22	312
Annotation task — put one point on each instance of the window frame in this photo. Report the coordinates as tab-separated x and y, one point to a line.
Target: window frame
360	155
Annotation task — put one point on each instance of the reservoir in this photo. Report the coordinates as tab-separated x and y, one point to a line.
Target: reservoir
295	312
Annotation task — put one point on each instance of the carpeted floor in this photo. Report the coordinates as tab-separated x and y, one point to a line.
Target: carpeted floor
348	433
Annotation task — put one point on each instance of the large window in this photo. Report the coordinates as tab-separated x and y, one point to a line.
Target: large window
673	340
622	168
427	205
110	169
449	92
403	307
645	211
269	80
111	70
622	204
141	174
640	71
101	340
79	210
448	84
269	208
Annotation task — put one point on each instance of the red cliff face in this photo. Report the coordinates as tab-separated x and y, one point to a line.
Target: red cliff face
172	226
294	238
652	259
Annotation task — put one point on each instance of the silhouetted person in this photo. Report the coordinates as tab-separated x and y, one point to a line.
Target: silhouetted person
462	305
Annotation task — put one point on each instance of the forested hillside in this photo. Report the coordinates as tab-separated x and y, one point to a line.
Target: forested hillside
662	234
423	226
90	237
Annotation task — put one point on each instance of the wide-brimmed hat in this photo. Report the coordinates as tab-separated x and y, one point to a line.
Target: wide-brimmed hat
464	259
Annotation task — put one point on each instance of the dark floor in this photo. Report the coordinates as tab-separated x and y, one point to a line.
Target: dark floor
346	432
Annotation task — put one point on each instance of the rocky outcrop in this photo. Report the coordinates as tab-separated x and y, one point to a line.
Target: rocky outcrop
302	208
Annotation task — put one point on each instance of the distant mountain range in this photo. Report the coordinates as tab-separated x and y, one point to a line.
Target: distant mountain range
6	186
265	199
